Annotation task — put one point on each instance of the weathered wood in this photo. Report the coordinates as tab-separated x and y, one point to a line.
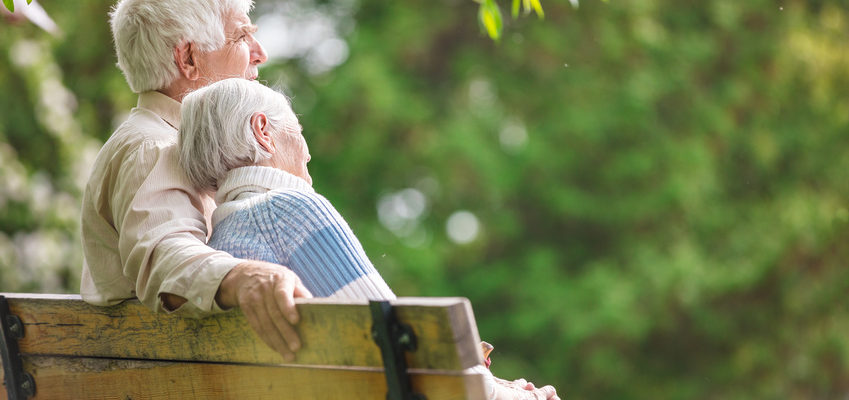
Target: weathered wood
87	378
332	333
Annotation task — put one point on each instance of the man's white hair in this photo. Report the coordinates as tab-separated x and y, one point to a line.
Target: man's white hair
215	128
146	31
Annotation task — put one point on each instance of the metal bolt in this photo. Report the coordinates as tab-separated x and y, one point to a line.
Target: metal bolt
15	326
28	385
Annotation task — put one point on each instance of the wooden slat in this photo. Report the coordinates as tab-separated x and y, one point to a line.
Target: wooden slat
332	333
85	378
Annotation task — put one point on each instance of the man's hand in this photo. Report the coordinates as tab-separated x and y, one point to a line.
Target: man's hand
266	294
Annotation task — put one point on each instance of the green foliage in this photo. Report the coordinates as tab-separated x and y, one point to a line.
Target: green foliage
528	6
491	20
489	15
659	185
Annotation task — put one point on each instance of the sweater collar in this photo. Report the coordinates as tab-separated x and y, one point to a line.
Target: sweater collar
250	181
165	107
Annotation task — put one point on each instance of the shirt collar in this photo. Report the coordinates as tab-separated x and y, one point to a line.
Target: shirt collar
165	107
253	180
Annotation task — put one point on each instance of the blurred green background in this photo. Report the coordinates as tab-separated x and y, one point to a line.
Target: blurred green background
642	199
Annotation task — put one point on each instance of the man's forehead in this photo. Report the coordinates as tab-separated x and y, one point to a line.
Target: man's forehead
236	21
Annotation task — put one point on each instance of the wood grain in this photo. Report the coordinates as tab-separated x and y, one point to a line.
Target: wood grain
87	378
333	333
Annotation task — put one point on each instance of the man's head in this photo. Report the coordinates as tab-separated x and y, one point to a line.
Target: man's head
236	123
184	43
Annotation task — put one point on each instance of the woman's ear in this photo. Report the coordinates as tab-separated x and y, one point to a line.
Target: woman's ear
259	125
184	57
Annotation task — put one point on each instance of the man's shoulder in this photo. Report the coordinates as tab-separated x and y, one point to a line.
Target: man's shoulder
140	143
143	126
141	133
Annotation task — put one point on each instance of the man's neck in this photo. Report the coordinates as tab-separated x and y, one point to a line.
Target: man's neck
178	89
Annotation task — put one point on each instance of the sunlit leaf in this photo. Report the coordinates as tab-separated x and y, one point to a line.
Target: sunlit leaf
496	12
515	8
537	8
490	18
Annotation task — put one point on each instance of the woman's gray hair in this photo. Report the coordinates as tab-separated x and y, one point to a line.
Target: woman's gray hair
146	31
215	128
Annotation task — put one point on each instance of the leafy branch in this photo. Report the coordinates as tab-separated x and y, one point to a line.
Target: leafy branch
489	15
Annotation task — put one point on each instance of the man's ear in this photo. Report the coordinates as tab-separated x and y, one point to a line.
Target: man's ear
184	57
259	125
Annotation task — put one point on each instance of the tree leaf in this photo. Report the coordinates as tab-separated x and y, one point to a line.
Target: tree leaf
538	8
490	18
497	13
10	4
515	8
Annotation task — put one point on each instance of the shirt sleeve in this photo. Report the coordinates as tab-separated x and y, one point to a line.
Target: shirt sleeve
163	231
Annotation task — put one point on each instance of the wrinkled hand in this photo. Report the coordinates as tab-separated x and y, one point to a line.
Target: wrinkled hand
521	389
266	294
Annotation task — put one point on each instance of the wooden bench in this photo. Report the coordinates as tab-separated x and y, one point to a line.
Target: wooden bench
59	347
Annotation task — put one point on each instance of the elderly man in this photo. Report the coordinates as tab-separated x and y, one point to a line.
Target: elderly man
144	226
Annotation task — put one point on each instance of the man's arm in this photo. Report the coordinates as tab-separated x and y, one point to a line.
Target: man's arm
162	245
254	286
265	292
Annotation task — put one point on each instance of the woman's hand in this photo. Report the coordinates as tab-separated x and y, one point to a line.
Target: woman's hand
521	389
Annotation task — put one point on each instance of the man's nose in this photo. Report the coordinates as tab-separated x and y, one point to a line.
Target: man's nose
258	54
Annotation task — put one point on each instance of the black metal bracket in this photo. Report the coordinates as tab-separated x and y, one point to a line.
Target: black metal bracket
393	338
19	384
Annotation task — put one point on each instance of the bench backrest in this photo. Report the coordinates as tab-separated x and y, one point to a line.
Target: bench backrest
75	350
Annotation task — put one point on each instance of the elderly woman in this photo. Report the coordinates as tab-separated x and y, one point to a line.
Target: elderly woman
242	140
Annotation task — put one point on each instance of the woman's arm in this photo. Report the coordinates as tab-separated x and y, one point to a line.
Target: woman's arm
313	239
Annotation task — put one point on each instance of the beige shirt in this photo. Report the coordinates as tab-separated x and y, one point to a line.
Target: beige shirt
144	227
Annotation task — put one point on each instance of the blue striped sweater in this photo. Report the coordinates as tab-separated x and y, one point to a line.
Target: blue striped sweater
270	215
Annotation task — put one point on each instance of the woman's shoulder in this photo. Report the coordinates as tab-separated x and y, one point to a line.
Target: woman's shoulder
239	208
306	203
295	196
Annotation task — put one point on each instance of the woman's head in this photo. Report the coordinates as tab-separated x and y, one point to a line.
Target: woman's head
235	123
